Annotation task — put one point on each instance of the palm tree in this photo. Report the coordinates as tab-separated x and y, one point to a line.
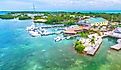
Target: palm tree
93	40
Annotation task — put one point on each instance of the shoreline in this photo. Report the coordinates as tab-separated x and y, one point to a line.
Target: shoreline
44	16
81	11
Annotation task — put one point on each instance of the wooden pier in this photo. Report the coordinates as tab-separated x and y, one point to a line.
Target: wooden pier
51	26
116	35
94	48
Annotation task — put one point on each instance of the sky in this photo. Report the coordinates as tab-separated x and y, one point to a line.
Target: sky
59	5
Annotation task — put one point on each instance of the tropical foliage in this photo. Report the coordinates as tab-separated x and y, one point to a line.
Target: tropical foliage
79	47
93	40
64	17
84	34
7	16
25	17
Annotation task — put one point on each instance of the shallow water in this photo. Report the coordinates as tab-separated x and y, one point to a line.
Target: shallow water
19	51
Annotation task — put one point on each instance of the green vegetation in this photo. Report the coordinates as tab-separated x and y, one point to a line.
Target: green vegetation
93	31
88	32
37	17
67	18
24	17
119	25
114	17
93	40
84	34
79	47
61	19
8	16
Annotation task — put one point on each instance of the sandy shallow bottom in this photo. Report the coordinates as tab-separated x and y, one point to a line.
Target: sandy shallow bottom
19	51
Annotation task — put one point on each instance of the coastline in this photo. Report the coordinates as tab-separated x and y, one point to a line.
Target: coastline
82	11
59	17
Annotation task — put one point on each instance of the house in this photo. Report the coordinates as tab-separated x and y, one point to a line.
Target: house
40	20
75	29
114	23
72	32
117	30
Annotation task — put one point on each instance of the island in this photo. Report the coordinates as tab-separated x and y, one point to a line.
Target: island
90	27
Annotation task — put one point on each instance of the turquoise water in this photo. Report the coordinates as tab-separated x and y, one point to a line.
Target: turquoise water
95	20
82	11
19	51
3	12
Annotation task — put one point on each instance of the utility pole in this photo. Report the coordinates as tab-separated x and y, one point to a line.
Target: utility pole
33	14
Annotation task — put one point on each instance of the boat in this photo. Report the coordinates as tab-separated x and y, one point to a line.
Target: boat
45	32
32	27
68	37
57	39
34	33
58	32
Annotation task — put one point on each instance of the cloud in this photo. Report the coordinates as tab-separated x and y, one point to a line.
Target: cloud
61	4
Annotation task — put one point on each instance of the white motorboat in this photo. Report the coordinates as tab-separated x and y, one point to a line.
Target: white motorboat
34	33
45	32
58	32
68	37
57	39
32	27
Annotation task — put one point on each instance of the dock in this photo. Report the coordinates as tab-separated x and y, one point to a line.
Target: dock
65	38
94	49
116	47
51	26
116	35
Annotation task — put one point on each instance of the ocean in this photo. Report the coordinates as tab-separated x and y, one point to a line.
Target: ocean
20	51
3	12
92	11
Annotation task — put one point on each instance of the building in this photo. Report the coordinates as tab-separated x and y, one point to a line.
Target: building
117	30
114	23
70	32
40	20
75	29
98	21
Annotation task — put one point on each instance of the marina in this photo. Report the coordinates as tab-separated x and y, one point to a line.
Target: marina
60	38
60	35
44	48
52	26
36	31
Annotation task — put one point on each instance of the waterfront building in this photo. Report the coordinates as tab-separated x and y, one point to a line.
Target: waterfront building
75	29
40	20
70	32
117	30
114	23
